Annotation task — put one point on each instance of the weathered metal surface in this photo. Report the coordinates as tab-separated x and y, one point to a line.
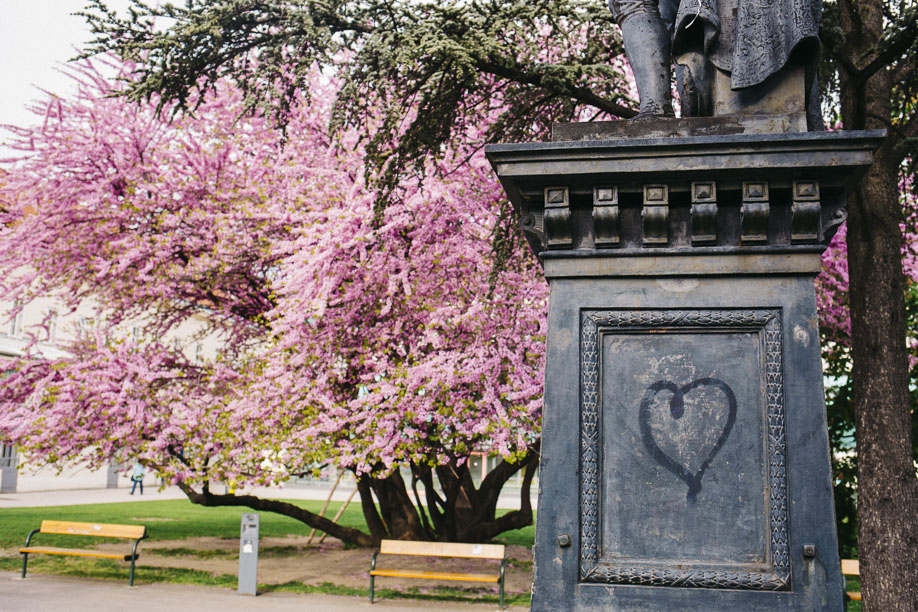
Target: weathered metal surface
665	264
710	432
683	127
557	218
806	222
685	459
784	97
655	215
606	216
704	213
755	212
729	164
691	410
731	56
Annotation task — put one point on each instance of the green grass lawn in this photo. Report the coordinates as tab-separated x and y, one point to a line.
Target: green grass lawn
180	519
165	520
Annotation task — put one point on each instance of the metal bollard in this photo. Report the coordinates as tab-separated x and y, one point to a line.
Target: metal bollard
248	555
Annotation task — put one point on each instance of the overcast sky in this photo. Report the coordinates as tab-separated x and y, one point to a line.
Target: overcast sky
36	37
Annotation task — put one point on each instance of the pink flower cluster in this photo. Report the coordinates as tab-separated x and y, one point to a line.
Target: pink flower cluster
832	282
347	336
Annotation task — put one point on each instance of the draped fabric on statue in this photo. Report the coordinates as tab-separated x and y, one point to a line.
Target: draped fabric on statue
750	39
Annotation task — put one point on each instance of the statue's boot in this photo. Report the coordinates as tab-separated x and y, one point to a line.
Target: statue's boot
647	45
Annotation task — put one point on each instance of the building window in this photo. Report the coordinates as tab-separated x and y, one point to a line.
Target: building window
199	353
15	329
7	456
52	326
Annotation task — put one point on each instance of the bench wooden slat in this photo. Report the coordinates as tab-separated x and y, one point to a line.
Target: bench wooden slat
104	530
93	529
490	552
77	552
851	567
442	549
402	573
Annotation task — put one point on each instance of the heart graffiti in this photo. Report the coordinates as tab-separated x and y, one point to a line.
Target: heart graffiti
677	411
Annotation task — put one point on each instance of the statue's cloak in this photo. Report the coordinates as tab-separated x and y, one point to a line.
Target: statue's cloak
750	39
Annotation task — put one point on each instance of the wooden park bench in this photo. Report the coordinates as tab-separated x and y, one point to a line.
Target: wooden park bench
102	530
851	567
440	549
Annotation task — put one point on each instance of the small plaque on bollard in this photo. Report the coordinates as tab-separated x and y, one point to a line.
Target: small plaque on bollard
248	555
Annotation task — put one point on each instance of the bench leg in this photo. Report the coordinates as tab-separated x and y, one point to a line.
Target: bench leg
503	572
131	581
372	579
25	560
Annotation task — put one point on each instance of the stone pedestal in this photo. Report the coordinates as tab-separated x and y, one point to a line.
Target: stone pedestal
685	460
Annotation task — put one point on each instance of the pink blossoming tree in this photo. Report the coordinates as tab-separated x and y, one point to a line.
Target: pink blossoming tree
371	341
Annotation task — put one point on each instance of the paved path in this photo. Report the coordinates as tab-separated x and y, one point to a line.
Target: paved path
40	593
71	497
509	499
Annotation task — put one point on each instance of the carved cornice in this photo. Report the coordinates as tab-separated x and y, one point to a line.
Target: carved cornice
707	194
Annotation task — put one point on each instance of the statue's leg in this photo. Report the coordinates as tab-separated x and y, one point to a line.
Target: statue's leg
647	45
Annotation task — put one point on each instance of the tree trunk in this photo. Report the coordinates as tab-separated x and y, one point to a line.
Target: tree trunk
887	487
396	509
345	534
483	531
461	514
465	514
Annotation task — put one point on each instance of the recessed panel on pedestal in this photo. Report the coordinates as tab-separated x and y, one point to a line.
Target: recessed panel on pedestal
683	453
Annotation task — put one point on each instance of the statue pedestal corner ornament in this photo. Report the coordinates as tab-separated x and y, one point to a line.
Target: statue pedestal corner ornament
683	383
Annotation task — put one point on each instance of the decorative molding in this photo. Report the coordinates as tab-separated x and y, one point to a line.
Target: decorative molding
533	225
557	218
754	214
704	213
606	219
805	212
655	215
763	321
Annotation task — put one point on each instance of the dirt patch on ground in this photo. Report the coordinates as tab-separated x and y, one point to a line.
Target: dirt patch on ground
282	560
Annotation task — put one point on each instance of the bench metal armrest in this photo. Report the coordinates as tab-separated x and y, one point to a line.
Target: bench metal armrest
29	539
136	543
25	555
372	577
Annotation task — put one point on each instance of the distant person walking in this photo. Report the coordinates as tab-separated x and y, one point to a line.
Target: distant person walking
137	477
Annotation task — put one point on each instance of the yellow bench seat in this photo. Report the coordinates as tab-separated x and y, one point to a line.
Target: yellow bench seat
76	552
486	552
136	533
399	573
851	567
